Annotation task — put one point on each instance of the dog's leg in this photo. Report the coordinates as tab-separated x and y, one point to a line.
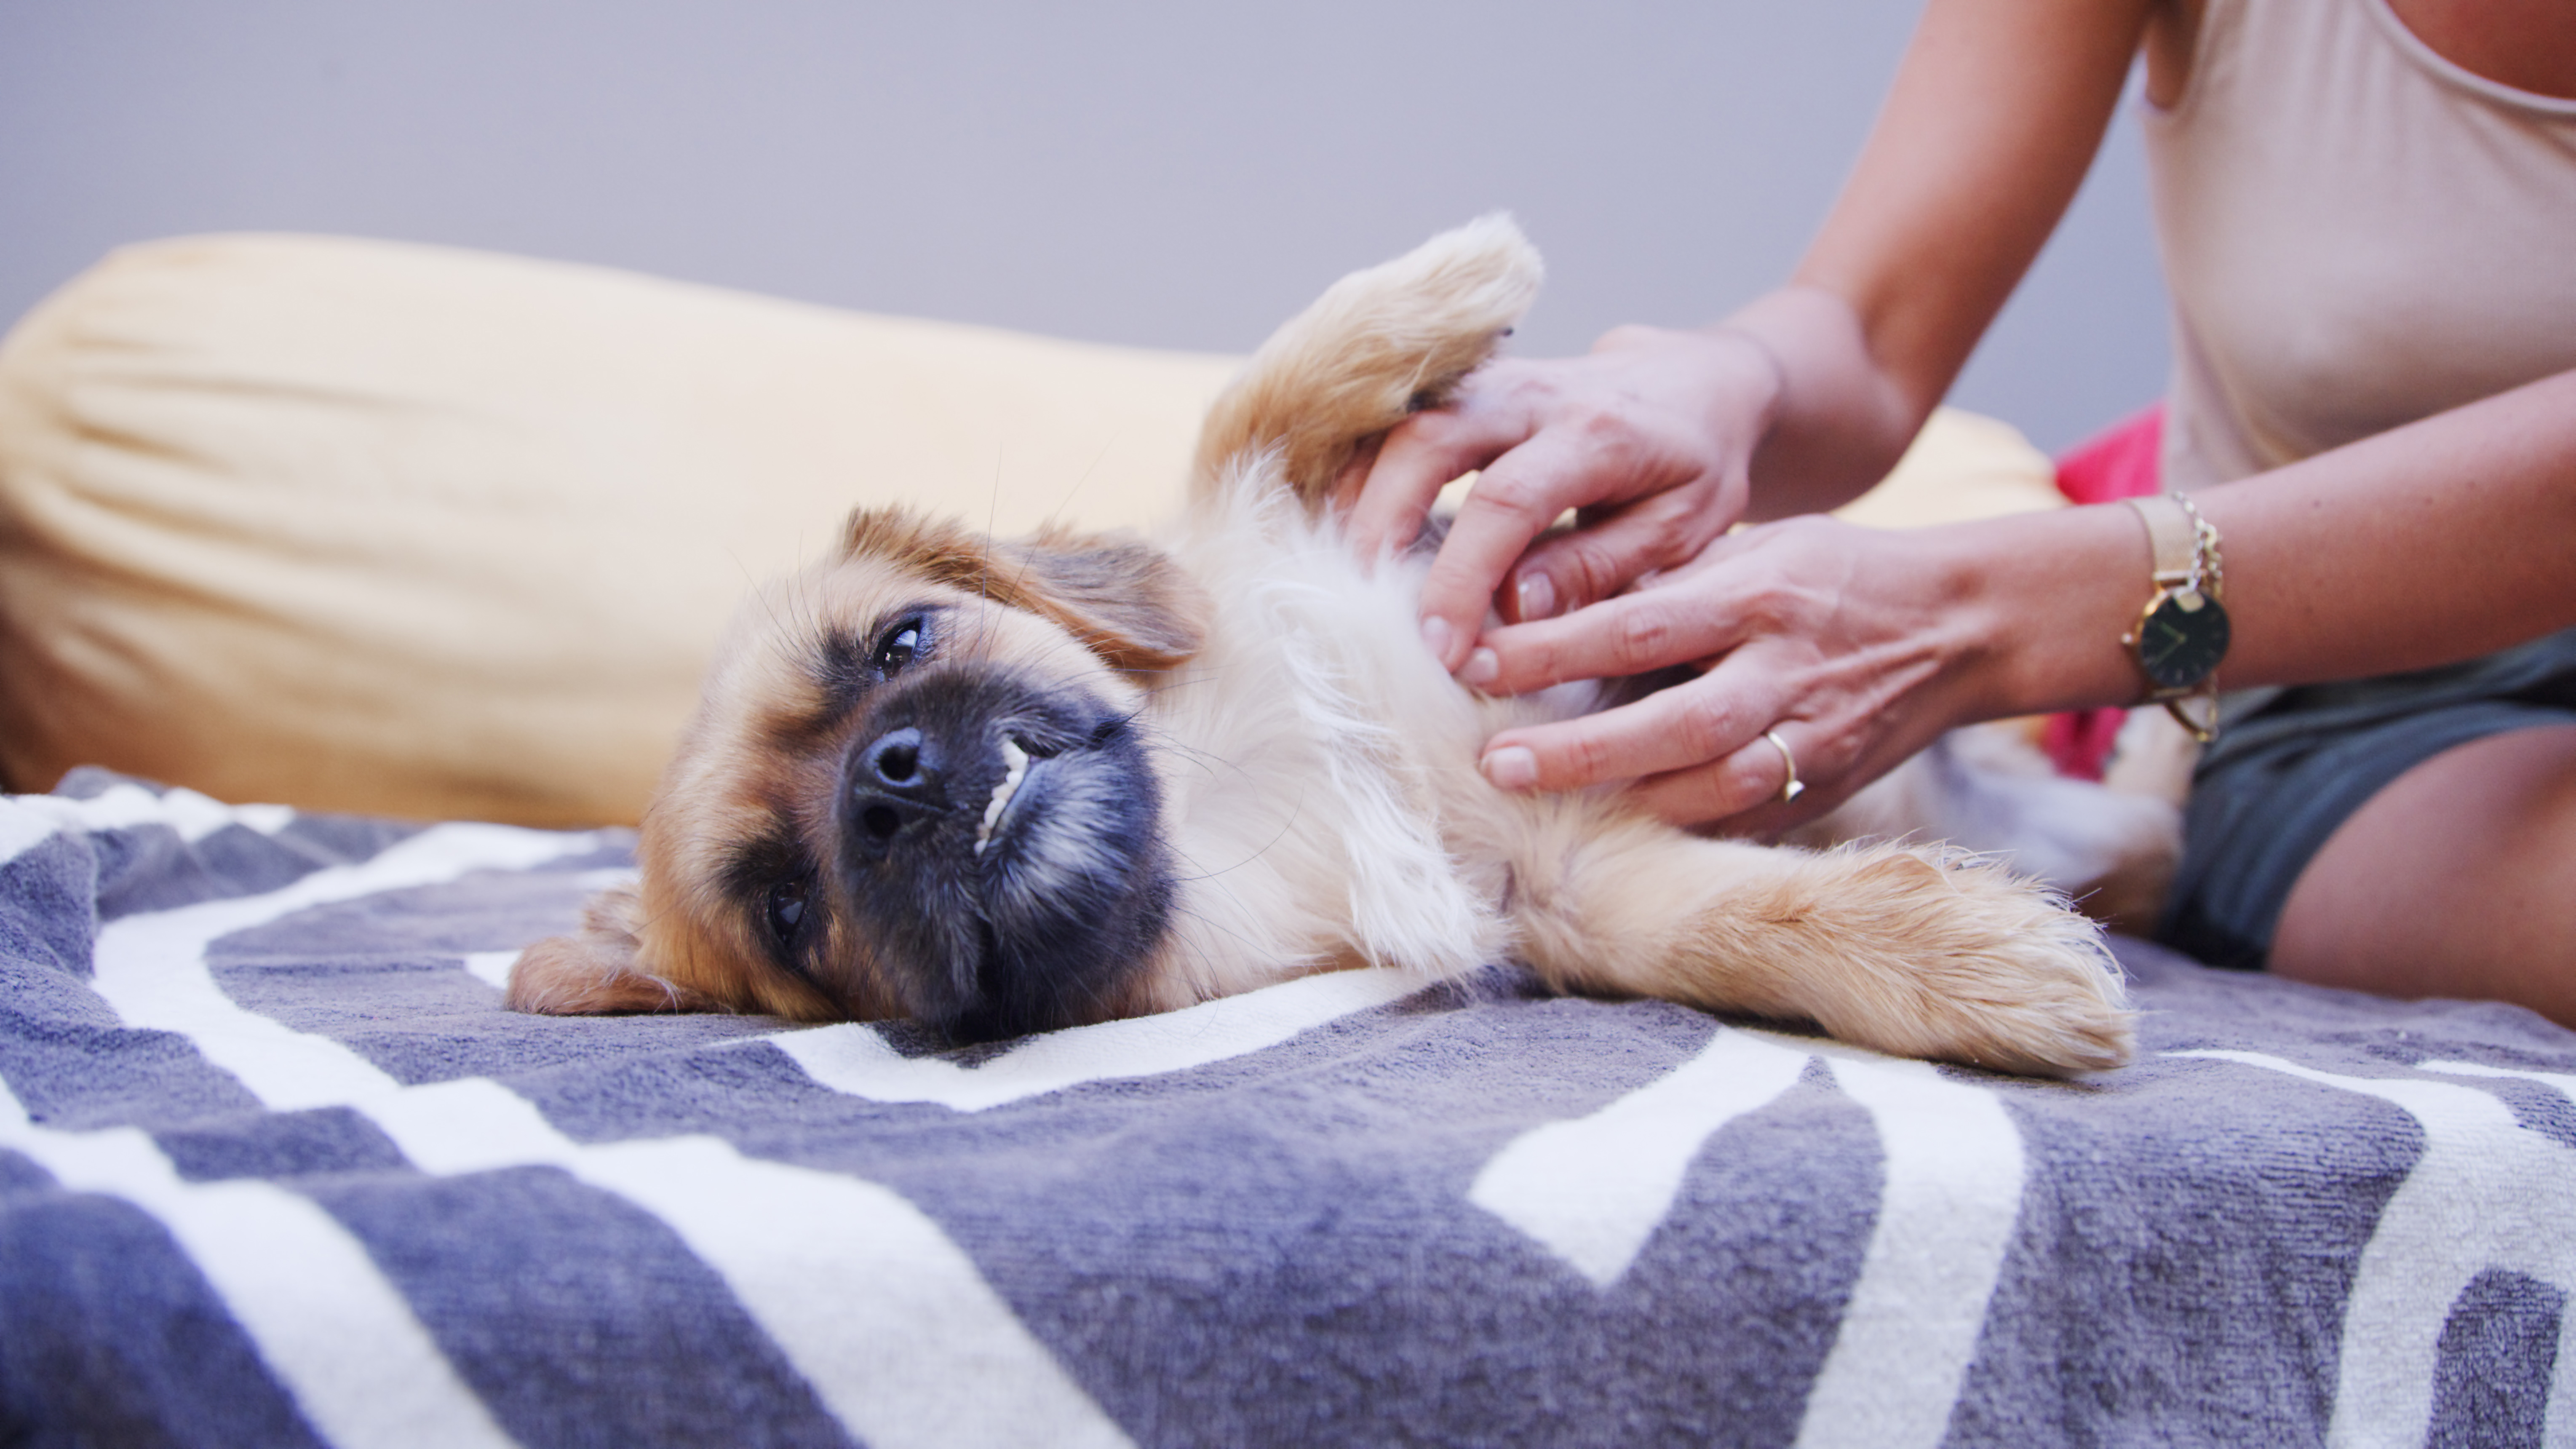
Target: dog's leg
1379	345
1896	948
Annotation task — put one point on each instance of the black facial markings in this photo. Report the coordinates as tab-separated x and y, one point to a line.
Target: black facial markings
839	668
772	882
843	667
1033	920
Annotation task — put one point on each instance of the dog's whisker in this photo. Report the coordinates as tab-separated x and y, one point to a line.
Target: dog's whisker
1208	983
993	504
1266	847
1065	502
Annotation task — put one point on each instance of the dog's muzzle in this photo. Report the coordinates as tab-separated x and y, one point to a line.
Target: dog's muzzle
899	783
1001	852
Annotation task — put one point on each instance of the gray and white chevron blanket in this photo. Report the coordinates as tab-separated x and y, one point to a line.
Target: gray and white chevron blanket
276	1168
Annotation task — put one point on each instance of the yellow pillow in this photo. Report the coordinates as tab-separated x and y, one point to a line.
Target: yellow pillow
396	529
1962	466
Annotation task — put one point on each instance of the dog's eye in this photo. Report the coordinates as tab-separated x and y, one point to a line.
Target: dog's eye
787	910
900	646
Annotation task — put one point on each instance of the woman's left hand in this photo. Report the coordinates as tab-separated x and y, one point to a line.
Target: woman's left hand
1852	645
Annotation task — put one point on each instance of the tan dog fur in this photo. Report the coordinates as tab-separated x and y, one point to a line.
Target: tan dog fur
1316	802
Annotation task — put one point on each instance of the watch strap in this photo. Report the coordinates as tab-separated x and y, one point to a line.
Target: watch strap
2170	535
2185	569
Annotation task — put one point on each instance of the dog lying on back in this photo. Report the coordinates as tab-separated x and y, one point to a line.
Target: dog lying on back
1003	786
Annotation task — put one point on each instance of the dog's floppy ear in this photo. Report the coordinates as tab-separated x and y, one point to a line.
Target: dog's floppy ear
1117	593
1122	597
594	972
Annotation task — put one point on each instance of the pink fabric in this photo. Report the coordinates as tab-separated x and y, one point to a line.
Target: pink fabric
2118	463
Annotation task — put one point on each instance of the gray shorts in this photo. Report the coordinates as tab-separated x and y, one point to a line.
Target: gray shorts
2291	765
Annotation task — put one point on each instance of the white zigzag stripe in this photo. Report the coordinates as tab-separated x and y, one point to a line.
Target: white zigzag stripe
852	1058
152	966
1593	1189
898	1332
2560	1426
1945	1220
889	1320
2487	1193
27	821
337	1335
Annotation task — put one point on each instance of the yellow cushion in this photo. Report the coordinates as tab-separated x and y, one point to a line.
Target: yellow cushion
397	529
1962	466
361	526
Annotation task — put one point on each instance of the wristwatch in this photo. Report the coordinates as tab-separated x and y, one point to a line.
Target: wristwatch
2182	633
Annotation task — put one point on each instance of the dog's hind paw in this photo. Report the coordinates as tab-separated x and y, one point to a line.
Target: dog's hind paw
1916	951
1954	957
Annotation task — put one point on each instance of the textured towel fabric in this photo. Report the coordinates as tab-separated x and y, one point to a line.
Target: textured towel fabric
276	1168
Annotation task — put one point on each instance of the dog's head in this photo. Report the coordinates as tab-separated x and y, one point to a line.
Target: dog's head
916	786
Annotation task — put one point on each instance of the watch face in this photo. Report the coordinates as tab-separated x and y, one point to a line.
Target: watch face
2181	639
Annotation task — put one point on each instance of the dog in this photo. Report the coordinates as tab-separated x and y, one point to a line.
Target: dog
1006	786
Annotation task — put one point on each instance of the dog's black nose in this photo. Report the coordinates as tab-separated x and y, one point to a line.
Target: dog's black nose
902	762
898	781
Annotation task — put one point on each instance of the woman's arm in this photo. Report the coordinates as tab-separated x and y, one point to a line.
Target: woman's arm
1804	398
2441	540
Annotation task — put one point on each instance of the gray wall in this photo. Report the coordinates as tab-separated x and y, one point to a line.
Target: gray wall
1138	171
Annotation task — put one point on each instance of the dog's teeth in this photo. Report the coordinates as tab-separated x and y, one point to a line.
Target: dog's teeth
1015	763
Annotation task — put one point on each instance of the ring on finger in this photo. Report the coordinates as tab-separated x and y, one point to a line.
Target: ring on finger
1792	787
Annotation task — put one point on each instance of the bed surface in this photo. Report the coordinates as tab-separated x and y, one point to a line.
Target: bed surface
277	1168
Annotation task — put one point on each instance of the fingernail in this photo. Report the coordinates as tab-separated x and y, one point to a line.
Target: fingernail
1537	598
1482	668
1436	637
1511	768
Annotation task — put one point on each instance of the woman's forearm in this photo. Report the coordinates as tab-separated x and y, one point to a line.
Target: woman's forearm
1994	118
2438	541
1841	420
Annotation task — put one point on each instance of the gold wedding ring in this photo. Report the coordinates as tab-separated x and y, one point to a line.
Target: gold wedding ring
1791	789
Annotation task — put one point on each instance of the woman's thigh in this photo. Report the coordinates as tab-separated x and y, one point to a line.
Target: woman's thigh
2457	879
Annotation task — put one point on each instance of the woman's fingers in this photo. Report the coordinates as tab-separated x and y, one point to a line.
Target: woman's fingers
1665	417
1716	750
1563	572
1636	633
1749	789
1827	650
1680	728
1515	499
1391	490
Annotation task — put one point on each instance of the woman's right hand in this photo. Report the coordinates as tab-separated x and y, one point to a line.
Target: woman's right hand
1649	437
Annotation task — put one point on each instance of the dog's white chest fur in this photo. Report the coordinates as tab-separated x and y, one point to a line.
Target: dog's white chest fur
1315	754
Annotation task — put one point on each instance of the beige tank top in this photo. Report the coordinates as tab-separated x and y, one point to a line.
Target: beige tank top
2357	233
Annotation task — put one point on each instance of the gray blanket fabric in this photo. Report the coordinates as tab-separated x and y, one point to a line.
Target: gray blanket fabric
276	1168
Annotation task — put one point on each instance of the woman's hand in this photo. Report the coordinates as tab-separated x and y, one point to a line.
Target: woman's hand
1853	646
1649	437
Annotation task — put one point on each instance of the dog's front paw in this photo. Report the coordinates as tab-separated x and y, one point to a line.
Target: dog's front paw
1957	958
